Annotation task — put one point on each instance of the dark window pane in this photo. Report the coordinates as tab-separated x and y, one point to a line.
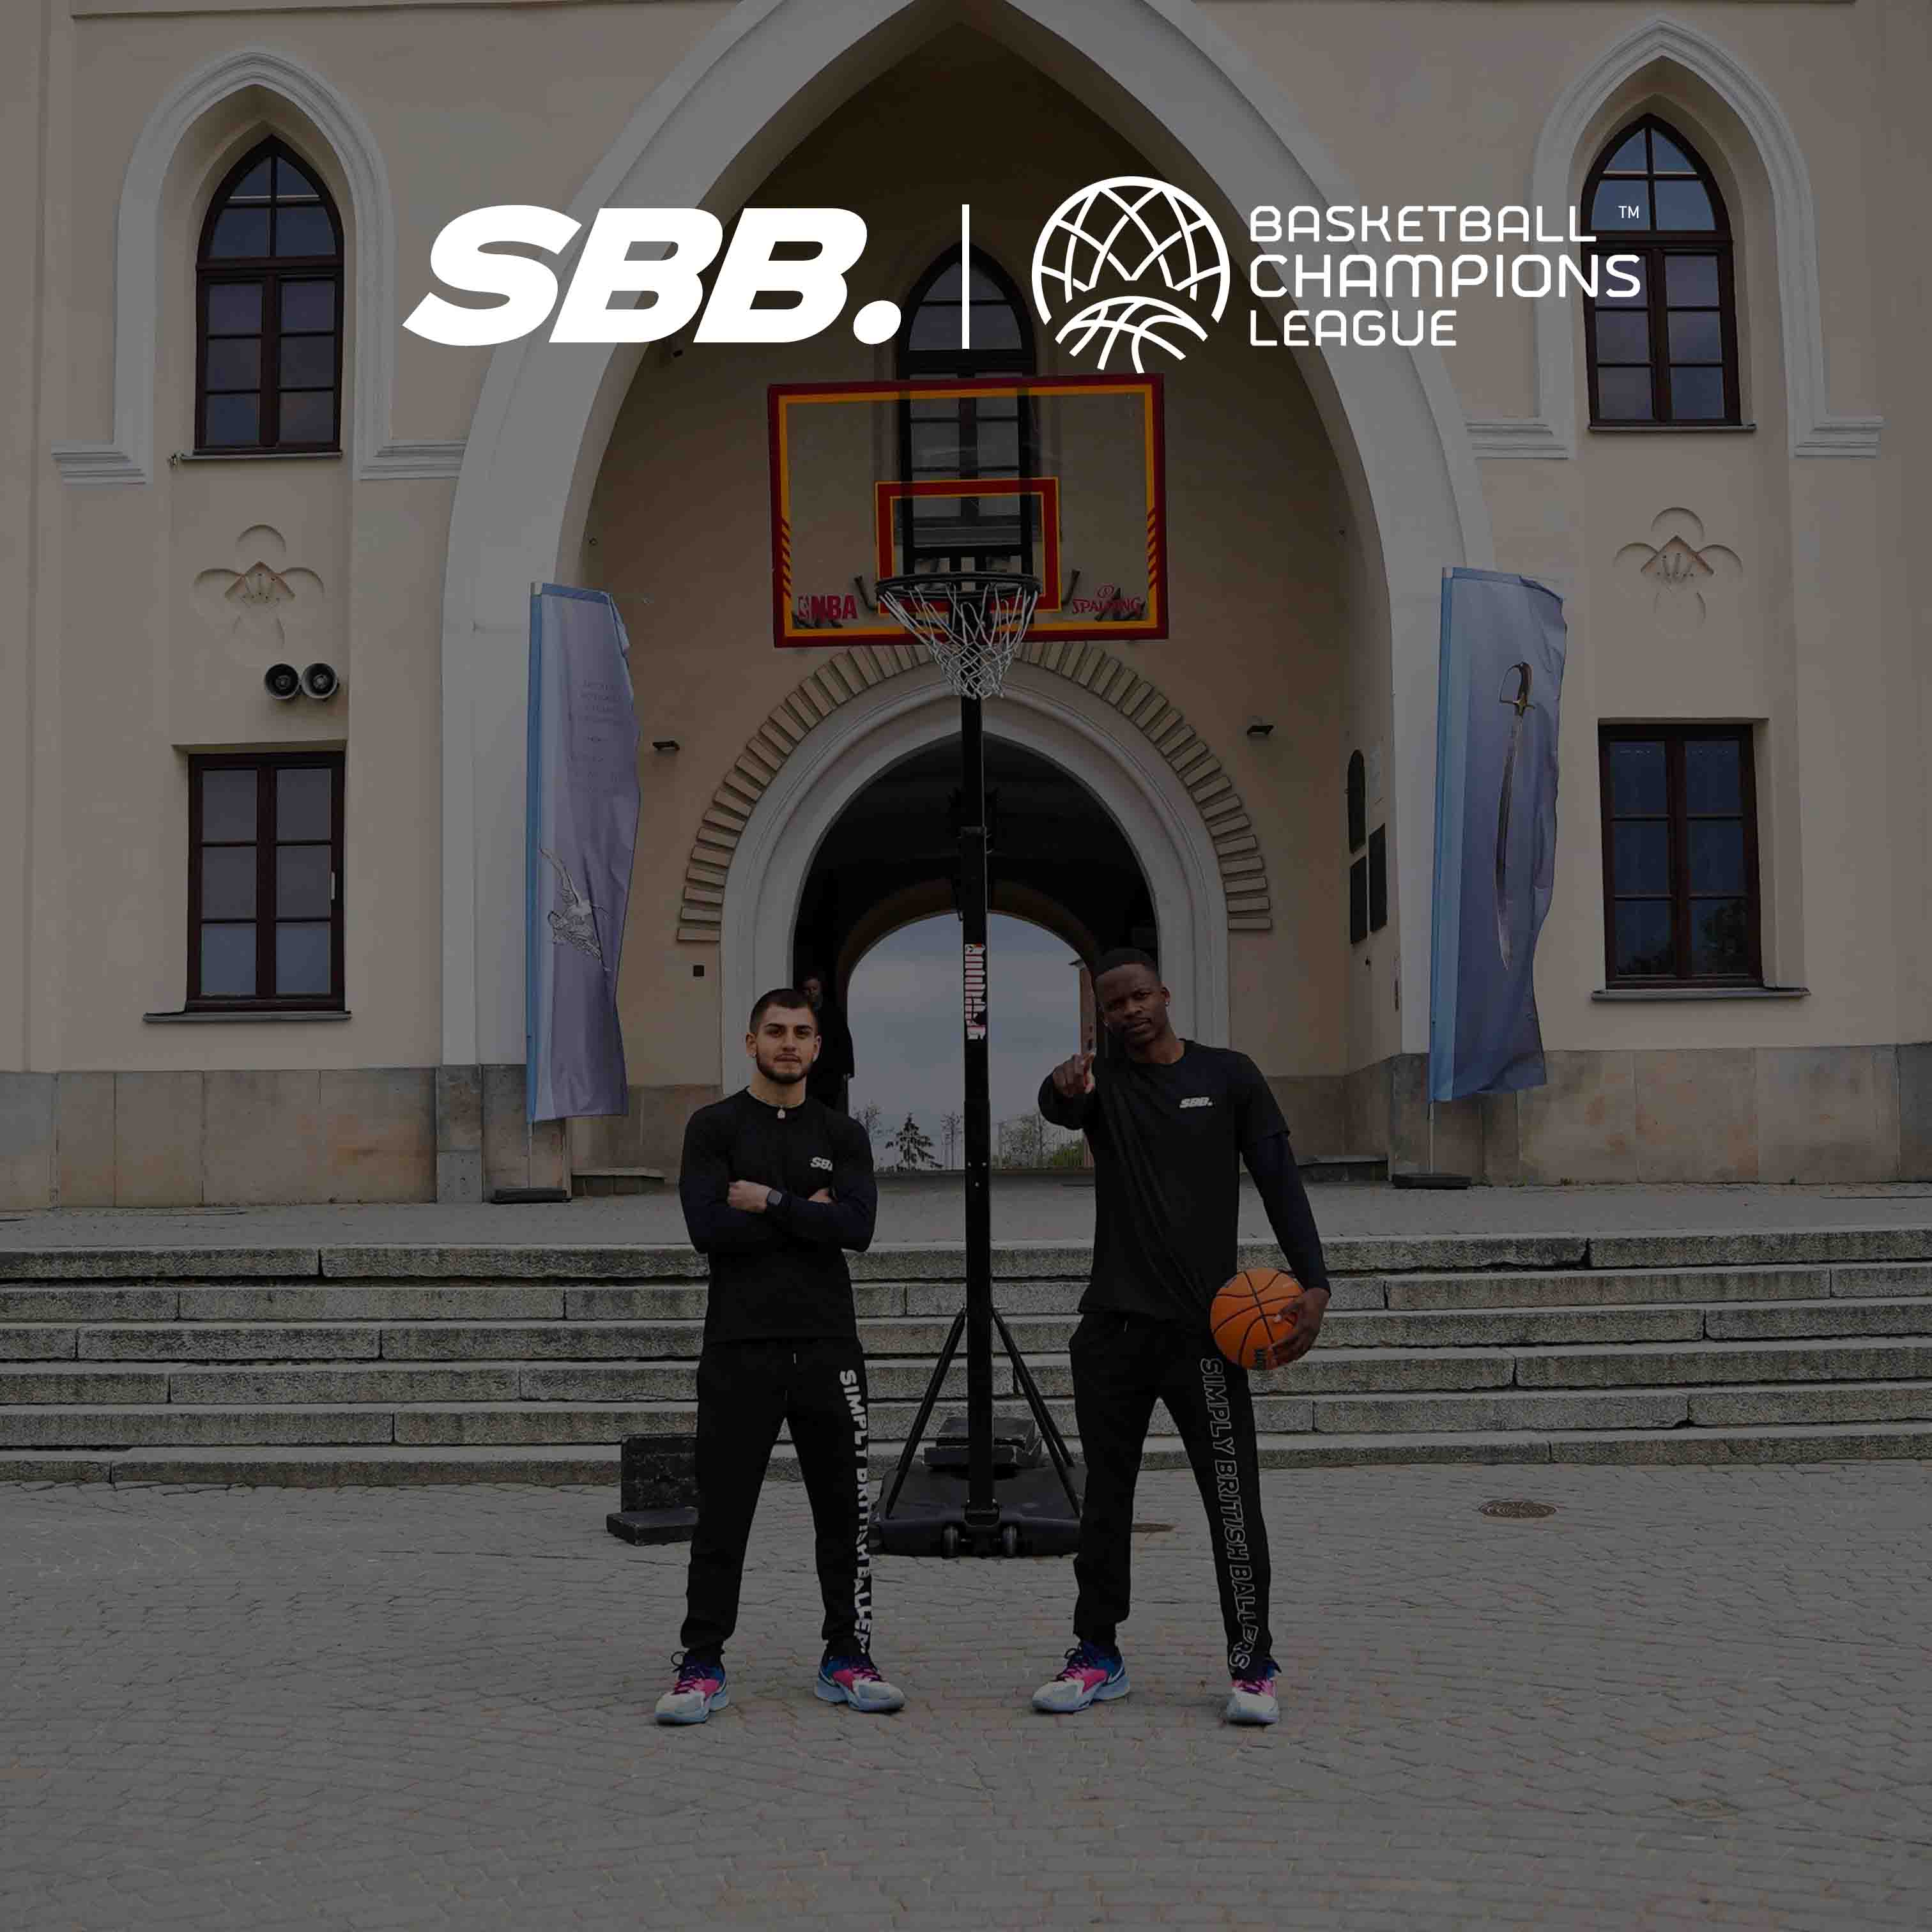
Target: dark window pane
999	451
1719	936
1642	852
1637	776
304	230
994	326
308	362
235	362
302	881
1713	776
1691	279
1643	940
304	797
1358	901
308	305
1620	205
1684	204
1717	855
227	962
253	186
1697	395
946	287
1695	336
935	327
984	289
291	184
227	804
1629	158
1666	157
233	422
301	958
234	308
1623	395
228	882
1637	271
1623	336
309	418
239	232
1358	789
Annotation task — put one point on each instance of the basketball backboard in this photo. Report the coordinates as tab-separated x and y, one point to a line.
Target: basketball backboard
1060	478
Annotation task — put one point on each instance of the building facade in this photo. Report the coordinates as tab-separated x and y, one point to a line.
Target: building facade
265	948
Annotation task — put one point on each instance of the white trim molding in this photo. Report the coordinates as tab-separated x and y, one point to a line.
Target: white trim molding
1815	431
1083	734
129	458
1233	843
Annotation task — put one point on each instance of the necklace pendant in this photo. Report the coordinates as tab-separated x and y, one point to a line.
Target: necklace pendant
781	1113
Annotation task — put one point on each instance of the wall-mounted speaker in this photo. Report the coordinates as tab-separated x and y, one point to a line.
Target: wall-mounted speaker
321	680
282	683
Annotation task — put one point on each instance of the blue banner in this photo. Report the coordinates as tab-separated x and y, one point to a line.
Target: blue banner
1503	641
581	835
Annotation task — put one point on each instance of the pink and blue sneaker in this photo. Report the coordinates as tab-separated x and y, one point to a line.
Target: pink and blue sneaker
697	1691
851	1679
1094	1675
1251	1699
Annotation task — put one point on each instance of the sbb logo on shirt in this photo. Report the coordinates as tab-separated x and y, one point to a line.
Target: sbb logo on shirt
1198	1100
819	1160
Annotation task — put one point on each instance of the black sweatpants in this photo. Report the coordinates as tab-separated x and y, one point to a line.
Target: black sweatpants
745	1390
1122	1364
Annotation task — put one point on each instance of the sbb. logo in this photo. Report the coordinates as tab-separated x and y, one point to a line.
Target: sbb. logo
676	245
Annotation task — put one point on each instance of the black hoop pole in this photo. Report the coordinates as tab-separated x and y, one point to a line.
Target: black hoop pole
982	1510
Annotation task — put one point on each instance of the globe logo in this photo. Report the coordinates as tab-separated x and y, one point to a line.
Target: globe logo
1131	226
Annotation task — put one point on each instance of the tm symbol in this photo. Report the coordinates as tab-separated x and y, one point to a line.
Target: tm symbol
1629	213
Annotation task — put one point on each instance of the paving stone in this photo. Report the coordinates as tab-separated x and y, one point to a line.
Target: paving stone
1773	1246
1514	1409
81	1385
265	1341
381	1302
1621	1286
93	1428
154	1264
236	1386
89	1304
1716	1362
1504	1328
24	1341
1905	1278
1755	1405
1851	1316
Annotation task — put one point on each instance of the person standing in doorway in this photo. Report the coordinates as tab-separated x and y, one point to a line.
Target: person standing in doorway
830	1080
1169	1122
776	1187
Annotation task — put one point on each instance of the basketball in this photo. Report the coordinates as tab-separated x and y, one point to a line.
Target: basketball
1254	1315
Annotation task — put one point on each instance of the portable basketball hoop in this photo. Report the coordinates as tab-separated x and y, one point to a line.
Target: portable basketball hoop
974	622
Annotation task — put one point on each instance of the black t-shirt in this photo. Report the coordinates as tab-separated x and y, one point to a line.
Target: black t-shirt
780	1275
1168	1143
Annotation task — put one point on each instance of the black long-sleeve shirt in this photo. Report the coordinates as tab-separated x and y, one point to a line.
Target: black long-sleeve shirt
1166	1141
780	1275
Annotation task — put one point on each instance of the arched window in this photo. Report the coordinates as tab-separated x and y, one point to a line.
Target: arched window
991	436
269	305
1667	351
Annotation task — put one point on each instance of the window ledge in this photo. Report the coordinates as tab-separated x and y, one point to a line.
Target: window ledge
271	1015
181	456
1623	994
1673	429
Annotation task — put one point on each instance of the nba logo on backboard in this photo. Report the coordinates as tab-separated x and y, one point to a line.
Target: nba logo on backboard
1128	226
976	991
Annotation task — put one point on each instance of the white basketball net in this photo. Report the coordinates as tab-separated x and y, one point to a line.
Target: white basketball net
972	621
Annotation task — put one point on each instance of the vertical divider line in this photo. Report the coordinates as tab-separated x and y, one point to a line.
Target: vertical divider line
965	274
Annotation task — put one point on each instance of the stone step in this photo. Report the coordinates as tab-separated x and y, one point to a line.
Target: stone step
323	1466
619	1262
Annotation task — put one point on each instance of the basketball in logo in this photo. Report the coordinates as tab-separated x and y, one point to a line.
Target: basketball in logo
1127	230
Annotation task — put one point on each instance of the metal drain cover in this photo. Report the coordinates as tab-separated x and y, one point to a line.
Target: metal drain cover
1518	1507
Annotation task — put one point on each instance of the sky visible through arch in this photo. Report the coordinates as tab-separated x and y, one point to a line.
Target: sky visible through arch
904	1007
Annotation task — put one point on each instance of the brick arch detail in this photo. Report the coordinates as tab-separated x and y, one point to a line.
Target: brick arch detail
1237	842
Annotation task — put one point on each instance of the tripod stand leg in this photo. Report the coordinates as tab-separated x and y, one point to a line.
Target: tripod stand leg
1049	1430
925	1415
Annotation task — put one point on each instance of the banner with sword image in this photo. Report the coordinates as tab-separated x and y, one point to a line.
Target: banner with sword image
1501	683
581	835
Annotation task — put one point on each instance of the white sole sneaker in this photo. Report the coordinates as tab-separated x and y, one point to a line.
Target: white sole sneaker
1248	1707
874	1697
1064	1696
691	1707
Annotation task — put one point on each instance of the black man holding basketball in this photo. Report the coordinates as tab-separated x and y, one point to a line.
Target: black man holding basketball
1170	1121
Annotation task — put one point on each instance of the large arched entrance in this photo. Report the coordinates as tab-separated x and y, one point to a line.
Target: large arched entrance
771	70
1057	859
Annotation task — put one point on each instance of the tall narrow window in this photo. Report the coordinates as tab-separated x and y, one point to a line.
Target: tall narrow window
264	881
981	435
269	300
1666	352
1680	855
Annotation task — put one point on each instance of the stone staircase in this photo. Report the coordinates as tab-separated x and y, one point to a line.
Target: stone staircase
407	1364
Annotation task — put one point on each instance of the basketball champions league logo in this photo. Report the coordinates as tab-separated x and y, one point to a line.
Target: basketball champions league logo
1129	228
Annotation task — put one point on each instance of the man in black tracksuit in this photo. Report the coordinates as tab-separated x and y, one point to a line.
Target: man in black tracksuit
1169	1121
775	1186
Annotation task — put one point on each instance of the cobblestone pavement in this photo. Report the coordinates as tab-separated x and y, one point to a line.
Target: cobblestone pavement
1690	1697
1026	1207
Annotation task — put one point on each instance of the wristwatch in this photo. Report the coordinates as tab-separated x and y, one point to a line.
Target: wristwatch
774	1198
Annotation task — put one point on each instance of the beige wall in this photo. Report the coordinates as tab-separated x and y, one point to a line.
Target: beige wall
111	669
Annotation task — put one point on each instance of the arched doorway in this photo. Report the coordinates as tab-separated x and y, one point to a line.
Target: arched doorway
1057	859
